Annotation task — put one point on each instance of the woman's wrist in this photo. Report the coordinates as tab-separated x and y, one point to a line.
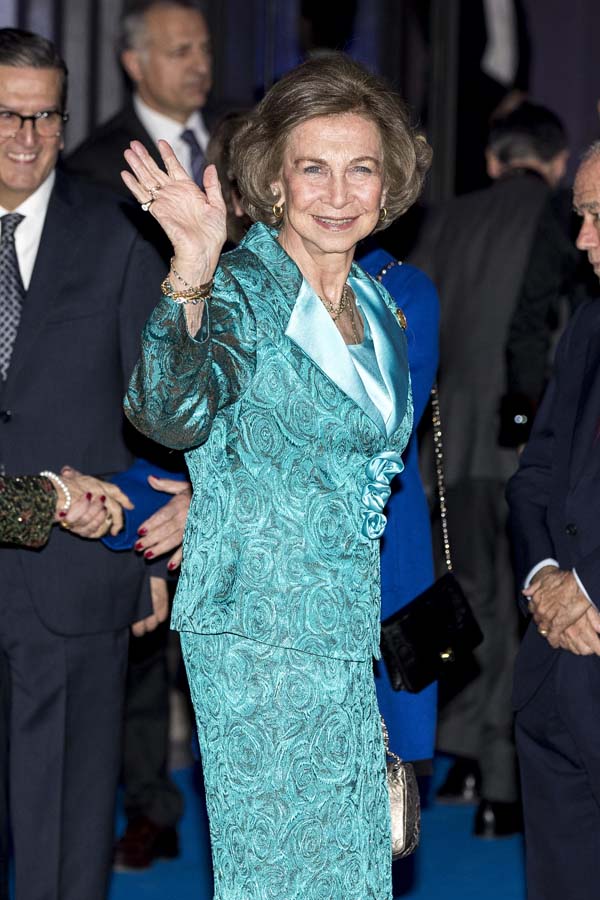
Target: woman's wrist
63	494
192	270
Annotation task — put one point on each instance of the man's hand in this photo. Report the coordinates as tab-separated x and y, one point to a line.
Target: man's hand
163	531
582	638
160	606
556	602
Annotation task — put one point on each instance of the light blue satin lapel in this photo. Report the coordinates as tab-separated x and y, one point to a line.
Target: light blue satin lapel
311	328
390	347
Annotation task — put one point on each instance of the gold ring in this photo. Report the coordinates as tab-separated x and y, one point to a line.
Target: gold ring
543	632
64	524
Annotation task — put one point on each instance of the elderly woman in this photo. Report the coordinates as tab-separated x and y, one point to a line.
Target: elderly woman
282	370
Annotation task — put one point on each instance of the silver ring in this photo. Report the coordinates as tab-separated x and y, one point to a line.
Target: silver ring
153	191
146	206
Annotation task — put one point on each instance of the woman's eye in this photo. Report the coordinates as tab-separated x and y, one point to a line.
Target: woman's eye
362	170
312	170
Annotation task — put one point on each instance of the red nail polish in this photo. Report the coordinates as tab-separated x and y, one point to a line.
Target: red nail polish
102	498
88	496
62	514
142	531
139	546
171	565
148	554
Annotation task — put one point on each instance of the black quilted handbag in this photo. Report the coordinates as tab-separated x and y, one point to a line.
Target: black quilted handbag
423	639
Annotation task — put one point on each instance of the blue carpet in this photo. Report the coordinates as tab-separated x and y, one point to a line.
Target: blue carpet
450	863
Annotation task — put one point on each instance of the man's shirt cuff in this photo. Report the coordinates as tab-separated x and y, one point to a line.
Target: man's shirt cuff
582	588
536	569
553	562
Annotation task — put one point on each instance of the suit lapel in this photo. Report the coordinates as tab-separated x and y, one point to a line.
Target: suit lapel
311	328
290	328
57	252
389	342
130	122
586	429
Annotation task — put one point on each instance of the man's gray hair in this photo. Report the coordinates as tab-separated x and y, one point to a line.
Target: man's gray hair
133	20
591	152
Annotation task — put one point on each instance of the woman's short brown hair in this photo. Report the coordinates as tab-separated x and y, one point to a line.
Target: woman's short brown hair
326	86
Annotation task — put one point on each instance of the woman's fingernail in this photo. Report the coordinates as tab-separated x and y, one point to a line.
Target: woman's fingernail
62	514
88	496
102	498
171	565
142	531
139	546
148	554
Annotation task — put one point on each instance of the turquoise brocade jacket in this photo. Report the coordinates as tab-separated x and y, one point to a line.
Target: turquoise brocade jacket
289	458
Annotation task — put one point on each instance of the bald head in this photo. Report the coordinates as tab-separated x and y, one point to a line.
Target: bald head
169	57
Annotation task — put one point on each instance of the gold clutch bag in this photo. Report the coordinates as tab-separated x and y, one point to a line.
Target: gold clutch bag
405	805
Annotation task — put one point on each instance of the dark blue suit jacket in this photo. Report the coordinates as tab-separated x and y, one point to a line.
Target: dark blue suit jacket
555	495
94	284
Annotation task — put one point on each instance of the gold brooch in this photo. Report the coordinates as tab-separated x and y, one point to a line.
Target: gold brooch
401	319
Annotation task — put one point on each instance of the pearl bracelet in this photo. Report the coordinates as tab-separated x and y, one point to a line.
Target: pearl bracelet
58	481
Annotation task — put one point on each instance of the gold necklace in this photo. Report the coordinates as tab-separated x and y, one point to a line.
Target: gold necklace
353	319
346	303
345	299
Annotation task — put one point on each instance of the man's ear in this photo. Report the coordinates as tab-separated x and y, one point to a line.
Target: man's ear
493	165
130	60
558	166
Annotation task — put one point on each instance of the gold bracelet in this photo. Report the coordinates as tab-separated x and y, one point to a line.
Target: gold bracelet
193	296
200	288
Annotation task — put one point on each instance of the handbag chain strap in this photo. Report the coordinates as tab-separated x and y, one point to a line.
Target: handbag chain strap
386	742
438	450
437	444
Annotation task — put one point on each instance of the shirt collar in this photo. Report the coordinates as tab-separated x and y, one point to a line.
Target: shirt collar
161	127
36	204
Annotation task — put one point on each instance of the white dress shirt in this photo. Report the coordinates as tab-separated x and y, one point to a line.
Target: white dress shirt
161	127
29	231
500	59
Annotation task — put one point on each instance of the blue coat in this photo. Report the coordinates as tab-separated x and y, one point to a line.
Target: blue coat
289	458
406	555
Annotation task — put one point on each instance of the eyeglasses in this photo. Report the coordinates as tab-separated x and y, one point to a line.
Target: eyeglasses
48	123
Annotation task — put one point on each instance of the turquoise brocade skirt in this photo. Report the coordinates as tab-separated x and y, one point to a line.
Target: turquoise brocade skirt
294	771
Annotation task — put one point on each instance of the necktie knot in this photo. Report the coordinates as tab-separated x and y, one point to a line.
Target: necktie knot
10	223
197	158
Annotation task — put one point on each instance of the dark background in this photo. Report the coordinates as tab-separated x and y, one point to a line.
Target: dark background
415	43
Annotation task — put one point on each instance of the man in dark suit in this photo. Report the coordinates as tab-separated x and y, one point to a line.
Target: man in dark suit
554	501
166	53
475	248
77	284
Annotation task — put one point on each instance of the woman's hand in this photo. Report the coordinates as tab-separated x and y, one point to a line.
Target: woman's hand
96	506
194	220
163	531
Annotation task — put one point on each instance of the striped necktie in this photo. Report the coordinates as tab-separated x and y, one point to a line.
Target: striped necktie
12	291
